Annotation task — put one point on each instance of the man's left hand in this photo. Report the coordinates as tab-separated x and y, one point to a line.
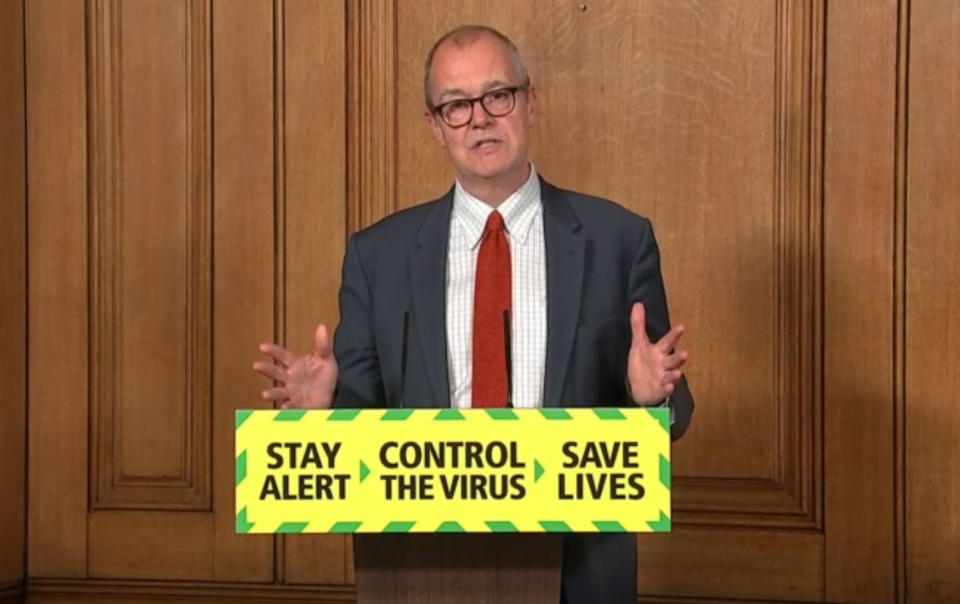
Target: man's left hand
653	368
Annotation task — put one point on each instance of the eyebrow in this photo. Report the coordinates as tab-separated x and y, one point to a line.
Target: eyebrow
487	87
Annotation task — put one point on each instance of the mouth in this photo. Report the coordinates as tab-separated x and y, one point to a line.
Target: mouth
485	143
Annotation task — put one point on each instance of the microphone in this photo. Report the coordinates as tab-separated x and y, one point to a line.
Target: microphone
403	355
509	355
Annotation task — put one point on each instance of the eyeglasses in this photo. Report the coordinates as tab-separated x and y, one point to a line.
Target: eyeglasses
497	103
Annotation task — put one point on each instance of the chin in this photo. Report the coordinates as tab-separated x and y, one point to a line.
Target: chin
492	170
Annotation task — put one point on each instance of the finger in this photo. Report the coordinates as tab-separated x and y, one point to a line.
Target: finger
675	360
279	353
275	394
638	324
667	342
321	341
274	372
671	377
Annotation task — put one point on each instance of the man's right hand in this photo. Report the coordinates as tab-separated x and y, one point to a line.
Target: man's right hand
306	382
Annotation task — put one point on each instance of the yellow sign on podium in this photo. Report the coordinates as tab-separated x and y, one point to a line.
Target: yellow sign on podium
453	470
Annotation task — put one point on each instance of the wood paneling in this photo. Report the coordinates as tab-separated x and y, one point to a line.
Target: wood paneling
372	110
11	592
312	189
243	285
859	300
933	289
163	545
13	295
150	272
57	237
666	107
720	563
192	171
150	262
147	251
791	497
184	592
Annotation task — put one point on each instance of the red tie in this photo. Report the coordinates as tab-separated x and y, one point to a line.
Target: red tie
491	298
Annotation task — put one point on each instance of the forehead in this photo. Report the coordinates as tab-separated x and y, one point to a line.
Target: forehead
471	66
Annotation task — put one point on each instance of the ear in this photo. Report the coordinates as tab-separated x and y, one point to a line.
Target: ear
531	103
435	126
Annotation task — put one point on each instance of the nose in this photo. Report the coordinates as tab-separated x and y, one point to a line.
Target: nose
478	115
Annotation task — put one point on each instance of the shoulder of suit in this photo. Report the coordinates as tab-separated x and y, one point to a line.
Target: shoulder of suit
405	222
590	208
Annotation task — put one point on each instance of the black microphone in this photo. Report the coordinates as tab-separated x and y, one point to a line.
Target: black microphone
506	344
403	355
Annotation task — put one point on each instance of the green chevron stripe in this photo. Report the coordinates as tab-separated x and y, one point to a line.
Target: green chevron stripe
364	471
555	526
609	414
342	415
240	416
450	526
609	526
395	415
243	526
241	470
345	527
289	415
537	470
501	414
662	525
501	526
399	526
554	413
291	527
447	414
663	418
664	471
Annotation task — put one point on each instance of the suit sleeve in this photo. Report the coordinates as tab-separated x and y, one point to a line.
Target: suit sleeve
360	383
646	286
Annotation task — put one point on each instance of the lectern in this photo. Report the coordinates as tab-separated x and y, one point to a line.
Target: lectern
462	505
457	568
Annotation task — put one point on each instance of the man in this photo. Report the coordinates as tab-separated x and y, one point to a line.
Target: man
429	294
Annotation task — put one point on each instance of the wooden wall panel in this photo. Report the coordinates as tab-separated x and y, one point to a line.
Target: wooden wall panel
13	295
932	318
712	563
372	110
859	300
126	544
244	276
696	150
312	195
705	117
282	125
146	252
149	263
98	591
150	260
57	237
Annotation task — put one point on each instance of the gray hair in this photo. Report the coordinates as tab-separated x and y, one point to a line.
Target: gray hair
463	35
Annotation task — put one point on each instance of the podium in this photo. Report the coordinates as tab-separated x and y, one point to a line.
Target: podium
460	568
463	506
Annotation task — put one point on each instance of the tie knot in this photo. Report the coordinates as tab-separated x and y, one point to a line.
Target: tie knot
494	223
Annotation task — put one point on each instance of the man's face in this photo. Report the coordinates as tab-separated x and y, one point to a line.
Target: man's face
487	148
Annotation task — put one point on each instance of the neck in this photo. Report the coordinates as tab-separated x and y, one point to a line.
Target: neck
493	192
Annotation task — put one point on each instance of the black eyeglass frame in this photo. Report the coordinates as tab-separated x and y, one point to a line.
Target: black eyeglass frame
438	109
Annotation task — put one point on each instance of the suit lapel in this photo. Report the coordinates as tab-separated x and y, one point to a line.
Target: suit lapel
565	259
428	270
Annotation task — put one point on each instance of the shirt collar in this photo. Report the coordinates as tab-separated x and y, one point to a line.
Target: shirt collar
518	211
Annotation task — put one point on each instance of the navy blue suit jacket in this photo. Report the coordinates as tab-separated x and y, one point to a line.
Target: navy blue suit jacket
601	258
